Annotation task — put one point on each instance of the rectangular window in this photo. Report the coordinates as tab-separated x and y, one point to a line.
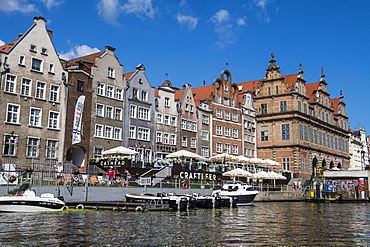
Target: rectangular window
184	141
173	121
35	117
263	109
100	110
33	147
80	85
118	94
264	133
40	90
98	130
54	93
98	152
235	149
285	131
132	132
283	106
21	60
133	111
101	89
53	120
219	147
235	117
10	144
305	108
110	91
301	132
51	149
36	64
144	95
134	92
108	132
167	101
235	133
166	120
10	83
276	89
205	119
227	148
218	113
109	112
12	114
227	131
144	113
166	138
189	124
111	73
143	134
51	68
194	127
299	106
158	137
118	114
286	164
26	87
159	118
193	143
205	152
173	139
183	124
117	133
268	91
226	101
218	130
205	135
227	115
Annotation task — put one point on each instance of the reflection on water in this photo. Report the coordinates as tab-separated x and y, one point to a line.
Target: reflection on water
280	223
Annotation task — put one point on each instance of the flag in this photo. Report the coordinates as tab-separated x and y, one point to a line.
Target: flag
76	134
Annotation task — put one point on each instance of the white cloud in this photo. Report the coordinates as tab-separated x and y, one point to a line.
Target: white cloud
109	10
139	8
188	21
262	13
51	3
241	21
78	51
2	42
221	16
17	6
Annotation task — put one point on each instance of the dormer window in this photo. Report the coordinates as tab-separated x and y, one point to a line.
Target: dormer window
111	72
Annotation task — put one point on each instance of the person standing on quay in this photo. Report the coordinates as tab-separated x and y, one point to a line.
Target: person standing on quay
110	174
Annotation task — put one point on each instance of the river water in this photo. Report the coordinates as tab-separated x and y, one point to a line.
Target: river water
263	224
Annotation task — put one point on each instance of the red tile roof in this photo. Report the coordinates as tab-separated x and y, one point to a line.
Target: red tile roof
335	104
90	58
311	89
129	74
5	48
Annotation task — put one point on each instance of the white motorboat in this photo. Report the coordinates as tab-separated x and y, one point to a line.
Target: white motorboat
244	193
25	200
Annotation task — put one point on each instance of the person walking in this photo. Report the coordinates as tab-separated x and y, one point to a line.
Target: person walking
126	176
110	174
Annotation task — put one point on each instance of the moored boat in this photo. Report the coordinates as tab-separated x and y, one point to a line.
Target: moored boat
243	192
25	200
174	201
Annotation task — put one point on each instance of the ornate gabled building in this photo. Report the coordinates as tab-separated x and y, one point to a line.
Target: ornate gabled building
166	120
188	119
32	93
205	118
227	130
139	114
298	125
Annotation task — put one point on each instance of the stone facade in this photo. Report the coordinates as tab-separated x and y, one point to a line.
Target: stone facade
33	103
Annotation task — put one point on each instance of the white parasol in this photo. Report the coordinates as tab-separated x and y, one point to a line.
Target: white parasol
238	173
183	154
120	150
224	157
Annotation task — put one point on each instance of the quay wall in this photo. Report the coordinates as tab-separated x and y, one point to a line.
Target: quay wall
97	193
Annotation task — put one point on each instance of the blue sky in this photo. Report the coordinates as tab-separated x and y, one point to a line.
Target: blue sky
191	41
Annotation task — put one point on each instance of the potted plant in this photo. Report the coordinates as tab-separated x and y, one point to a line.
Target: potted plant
100	173
12	179
29	170
76	172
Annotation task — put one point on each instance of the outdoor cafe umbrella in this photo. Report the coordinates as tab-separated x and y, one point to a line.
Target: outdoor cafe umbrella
224	157
238	173
183	154
120	151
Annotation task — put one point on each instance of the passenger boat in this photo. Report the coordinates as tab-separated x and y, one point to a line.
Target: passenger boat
175	202
25	200
244	193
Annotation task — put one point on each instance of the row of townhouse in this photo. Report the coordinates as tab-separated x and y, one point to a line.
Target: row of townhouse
280	117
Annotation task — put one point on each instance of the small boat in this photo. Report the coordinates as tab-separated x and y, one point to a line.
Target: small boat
214	201
175	202
244	193
25	200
